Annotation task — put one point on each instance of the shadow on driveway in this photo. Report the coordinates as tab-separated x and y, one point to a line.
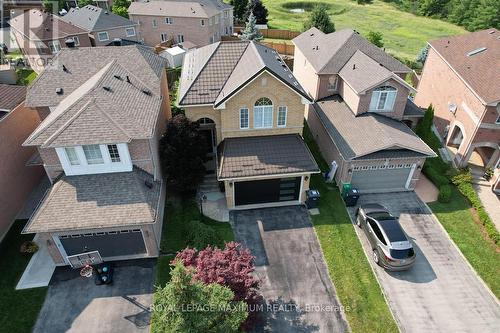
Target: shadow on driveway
76	304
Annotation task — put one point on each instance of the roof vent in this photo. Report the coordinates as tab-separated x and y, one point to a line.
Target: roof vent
476	51
117	42
278	58
128	79
106	88
70	43
118	77
148	184
491	32
146	92
59	91
65	69
353	66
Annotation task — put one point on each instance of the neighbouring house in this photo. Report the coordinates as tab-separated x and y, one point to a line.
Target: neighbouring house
17	177
362	112
461	79
103	26
251	109
103	112
41	35
104	4
198	22
12	8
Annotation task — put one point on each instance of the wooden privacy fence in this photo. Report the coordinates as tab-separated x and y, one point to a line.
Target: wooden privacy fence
281	48
279	33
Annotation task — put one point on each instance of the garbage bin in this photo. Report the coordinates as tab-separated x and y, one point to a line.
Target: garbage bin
351	197
345	188
312	198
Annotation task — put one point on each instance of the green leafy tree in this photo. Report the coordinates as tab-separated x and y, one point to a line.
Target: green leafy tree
486	15
364	2
53	6
189	306
258	9
320	19
183	151
83	3
251	32
461	11
375	38
239	9
120	7
436	8
422	55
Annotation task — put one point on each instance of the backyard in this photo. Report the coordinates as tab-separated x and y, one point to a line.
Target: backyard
19	308
404	34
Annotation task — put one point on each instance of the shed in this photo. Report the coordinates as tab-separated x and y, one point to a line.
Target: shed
174	56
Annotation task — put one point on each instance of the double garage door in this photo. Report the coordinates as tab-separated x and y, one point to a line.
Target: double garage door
382	178
267	191
109	244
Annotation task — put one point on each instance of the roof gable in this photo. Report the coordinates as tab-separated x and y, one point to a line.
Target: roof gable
178	8
92	18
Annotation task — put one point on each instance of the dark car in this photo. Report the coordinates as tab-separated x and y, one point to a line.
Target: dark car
391	247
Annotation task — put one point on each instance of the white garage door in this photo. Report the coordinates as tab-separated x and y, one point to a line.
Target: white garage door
381	177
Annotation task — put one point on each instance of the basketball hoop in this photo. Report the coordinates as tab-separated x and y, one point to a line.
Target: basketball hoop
86	271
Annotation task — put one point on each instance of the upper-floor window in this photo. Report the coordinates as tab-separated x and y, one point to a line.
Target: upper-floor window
332	83
383	99
169	20
103	36
217	19
76	40
281	121
89	159
244	118
498	120
263	113
154	23
54	46
180	38
226	13
211	21
498	112
130	32
202	22
164	37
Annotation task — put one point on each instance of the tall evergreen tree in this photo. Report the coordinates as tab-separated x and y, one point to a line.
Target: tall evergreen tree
320	19
251	32
239	9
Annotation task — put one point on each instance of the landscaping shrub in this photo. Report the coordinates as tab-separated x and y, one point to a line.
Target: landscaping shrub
435	175
444	193
199	235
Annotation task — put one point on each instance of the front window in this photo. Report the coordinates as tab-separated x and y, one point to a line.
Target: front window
154	23
332	83
169	20
103	36
383	99
164	37
72	156
263	113
93	154
202	22
76	40
244	123
282	116
55	46
130	32
114	154
180	38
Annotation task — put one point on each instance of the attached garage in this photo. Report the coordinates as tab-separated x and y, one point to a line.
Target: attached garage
267	191
382	178
128	242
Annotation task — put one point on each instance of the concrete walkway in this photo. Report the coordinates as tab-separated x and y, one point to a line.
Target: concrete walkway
213	200
426	190
39	270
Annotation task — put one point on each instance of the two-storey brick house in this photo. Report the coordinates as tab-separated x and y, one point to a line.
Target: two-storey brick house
461	79
361	111
181	21
103	111
246	98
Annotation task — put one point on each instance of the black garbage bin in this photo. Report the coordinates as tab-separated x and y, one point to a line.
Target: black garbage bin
351	197
312	198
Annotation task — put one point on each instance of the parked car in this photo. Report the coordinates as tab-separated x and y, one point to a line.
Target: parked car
391	247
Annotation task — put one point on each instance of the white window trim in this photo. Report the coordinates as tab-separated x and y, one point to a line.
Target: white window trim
53	43
248	118
377	94
154	23
180	38
125	164
262	108
76	40
99	36
169	20
164	37
130	35
329	87
278	115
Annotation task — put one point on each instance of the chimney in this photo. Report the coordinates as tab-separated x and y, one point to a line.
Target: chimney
353	66
117	42
70	43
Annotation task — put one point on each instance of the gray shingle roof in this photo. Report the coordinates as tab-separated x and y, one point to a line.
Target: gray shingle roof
178	8
328	53
92	18
83	63
97	201
213	73
11	96
43	26
104	109
358	136
265	155
480	71
412	110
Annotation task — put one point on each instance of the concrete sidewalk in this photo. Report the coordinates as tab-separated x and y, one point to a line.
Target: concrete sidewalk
39	270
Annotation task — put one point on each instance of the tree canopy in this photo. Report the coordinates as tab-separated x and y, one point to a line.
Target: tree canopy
239	9
320	19
251	32
258	9
120	7
375	38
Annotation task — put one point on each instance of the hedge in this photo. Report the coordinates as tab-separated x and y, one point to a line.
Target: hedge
444	193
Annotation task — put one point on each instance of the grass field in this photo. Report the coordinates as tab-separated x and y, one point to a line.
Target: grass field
404	33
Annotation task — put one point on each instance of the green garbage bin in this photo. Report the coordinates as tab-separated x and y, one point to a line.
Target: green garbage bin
345	189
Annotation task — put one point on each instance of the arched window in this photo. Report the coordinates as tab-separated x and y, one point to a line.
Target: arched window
205	121
263	113
383	99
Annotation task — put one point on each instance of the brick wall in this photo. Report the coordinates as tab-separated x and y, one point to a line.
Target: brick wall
305	74
115	33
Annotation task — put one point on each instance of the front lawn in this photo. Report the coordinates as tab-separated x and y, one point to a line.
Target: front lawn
18	308
468	234
177	214
349	269
404	34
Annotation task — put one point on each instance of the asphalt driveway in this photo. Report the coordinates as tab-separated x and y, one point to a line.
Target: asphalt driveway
441	293
298	292
76	304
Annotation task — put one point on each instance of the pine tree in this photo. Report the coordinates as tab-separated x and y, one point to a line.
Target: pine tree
320	19
251	32
375	38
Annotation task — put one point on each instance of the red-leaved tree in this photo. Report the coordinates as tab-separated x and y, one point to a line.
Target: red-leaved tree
231	267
